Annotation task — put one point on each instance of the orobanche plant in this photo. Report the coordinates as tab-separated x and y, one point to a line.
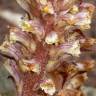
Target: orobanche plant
43	51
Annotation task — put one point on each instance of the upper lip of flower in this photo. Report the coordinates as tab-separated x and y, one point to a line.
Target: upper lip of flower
51	38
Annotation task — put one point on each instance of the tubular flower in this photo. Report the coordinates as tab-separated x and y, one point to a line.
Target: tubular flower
48	86
51	38
48	8
43	51
26	26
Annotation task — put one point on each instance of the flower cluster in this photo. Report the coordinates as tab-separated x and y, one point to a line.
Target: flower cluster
43	51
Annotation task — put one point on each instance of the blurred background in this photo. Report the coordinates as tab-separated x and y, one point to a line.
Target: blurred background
10	14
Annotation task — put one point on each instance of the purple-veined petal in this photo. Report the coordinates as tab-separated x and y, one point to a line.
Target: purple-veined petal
12	67
38	27
15	50
34	26
23	38
31	65
72	48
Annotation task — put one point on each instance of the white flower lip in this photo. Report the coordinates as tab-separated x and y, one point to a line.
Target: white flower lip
51	38
75	49
48	86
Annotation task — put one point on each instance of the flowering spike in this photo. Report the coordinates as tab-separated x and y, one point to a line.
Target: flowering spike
43	50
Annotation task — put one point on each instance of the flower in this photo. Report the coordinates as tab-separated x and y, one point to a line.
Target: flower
23	38
83	18
48	86
31	65
51	38
74	9
43	52
75	49
72	48
26	26
48	9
